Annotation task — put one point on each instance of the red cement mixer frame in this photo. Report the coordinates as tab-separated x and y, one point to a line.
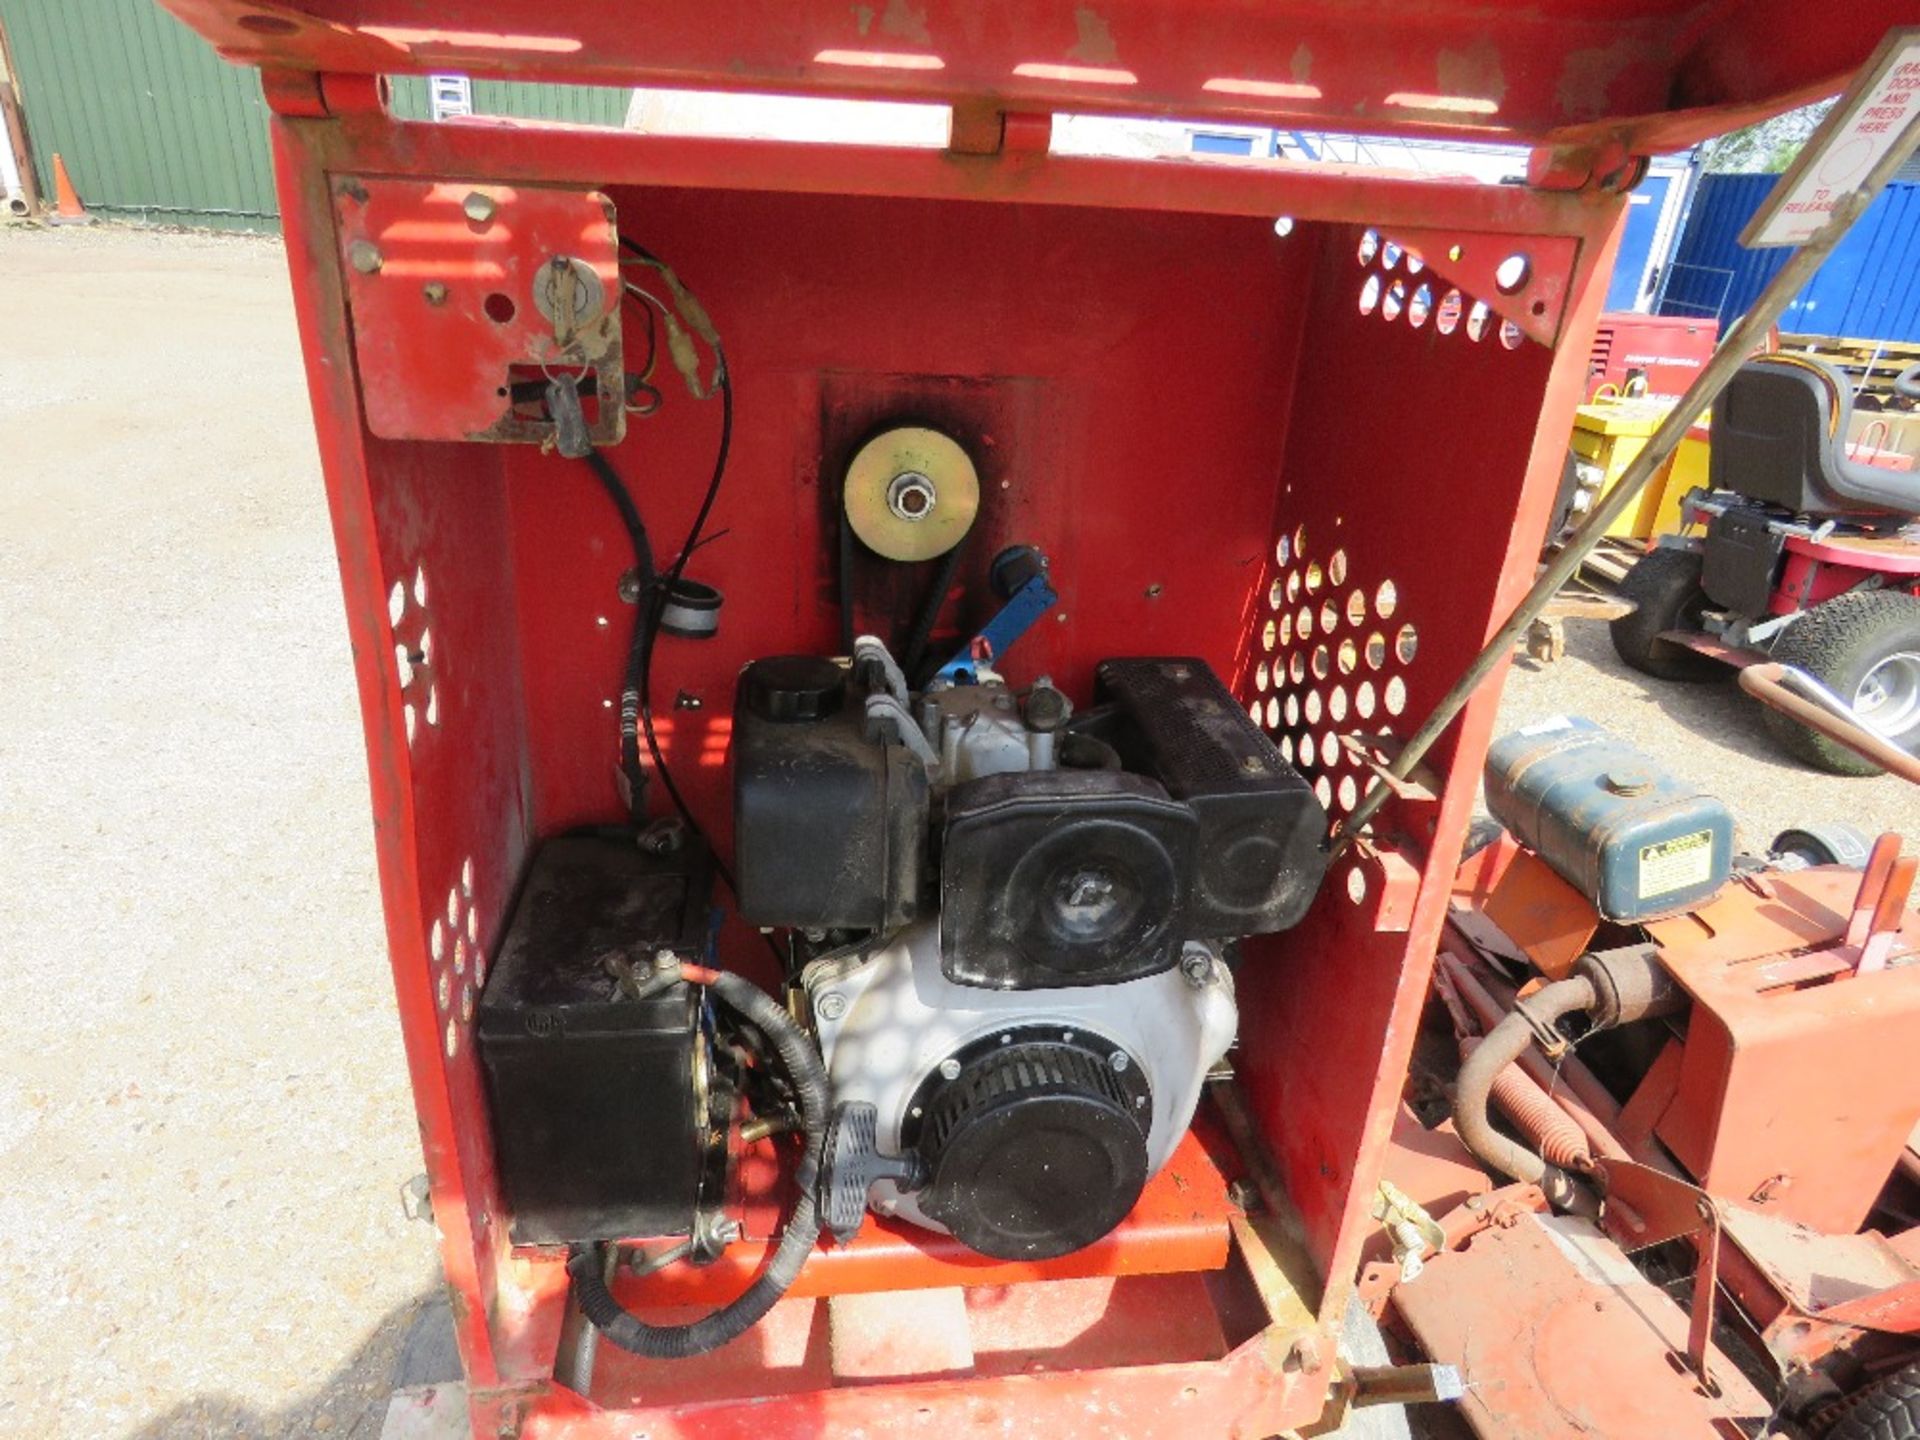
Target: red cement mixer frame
1302	451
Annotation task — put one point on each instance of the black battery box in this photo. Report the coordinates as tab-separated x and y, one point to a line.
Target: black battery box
598	1100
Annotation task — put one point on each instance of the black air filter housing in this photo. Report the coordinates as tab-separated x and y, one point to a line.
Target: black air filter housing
1063	877
1260	851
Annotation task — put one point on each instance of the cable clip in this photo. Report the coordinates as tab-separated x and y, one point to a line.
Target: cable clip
1545	1033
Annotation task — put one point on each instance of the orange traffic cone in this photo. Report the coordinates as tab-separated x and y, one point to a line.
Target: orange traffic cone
68	210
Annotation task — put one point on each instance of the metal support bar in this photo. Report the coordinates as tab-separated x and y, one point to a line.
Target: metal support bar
1406	1384
1740	342
1819	709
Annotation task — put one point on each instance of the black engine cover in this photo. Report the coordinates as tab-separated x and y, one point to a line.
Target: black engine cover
1261	851
830	825
1063	877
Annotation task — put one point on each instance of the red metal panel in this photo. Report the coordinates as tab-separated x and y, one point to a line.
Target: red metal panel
1783	1097
1446	505
1559	1335
1661	73
446	283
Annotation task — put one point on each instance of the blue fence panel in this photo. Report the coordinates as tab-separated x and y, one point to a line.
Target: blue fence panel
1869	288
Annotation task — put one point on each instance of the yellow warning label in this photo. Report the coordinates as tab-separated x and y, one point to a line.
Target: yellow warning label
1676	864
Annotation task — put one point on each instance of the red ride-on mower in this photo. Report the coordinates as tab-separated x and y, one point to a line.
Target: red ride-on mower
1805	561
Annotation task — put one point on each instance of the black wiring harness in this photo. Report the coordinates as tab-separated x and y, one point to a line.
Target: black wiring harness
791	1047
656	589
587	1265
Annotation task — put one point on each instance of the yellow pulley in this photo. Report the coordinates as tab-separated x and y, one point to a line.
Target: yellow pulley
911	494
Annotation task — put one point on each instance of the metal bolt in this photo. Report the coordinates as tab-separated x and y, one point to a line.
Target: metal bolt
1197	967
665	960
1089	887
949	1069
435	292
1119	1061
832	1005
365	256
1303	1354
911	496
478	207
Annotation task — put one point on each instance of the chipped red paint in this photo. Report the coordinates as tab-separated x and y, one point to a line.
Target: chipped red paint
1650	77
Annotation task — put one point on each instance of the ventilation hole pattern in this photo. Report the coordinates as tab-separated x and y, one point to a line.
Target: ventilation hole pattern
1335	650
1390	295
414	660
456	961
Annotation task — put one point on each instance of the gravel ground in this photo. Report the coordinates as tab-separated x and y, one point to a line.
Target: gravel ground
1710	734
204	1123
204	1120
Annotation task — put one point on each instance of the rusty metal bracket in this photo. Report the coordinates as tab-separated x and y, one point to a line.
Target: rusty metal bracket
1398	884
1645	1207
1377	752
1605	165
984	128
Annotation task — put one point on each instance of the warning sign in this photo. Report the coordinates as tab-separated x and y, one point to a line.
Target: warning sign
1676	864
1875	118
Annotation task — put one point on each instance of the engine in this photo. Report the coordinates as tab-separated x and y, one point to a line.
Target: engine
1006	919
1018	919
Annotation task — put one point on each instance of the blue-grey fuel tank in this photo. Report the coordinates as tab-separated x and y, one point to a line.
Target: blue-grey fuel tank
1620	828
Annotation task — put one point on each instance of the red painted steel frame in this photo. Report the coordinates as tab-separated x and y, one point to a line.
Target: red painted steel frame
1632	78
1167	388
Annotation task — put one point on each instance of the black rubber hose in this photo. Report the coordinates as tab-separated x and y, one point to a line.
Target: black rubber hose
676	1342
1504	1044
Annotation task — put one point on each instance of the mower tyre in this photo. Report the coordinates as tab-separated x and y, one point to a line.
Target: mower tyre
1664	586
1842	643
1888	1409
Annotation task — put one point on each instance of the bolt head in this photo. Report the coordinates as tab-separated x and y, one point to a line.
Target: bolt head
832	1005
478	207
949	1069
1304	1354
365	257
1119	1061
435	292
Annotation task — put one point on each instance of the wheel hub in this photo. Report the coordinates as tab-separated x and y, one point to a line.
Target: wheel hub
1887	700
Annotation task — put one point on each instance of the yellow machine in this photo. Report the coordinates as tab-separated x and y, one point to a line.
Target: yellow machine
1608	431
